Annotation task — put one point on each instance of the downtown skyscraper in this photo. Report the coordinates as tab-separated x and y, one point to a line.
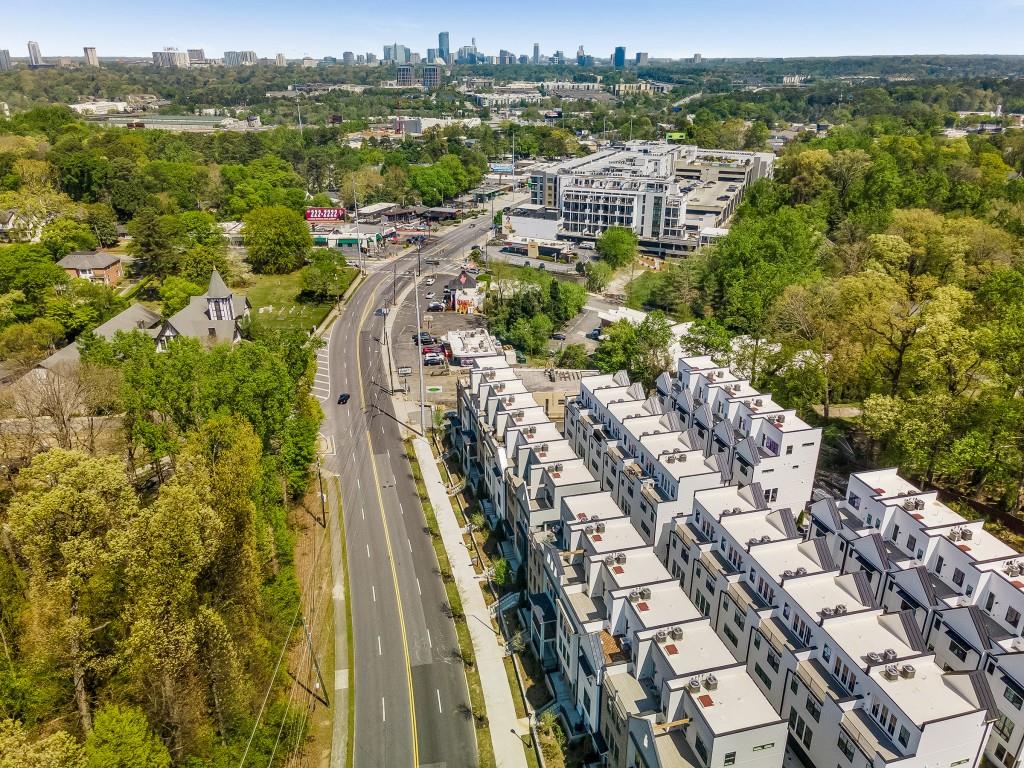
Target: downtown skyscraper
443	47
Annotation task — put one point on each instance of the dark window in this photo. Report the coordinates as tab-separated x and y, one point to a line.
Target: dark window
958	650
813	708
904	737
730	758
1013	697
1012	617
1004	727
958	577
846	746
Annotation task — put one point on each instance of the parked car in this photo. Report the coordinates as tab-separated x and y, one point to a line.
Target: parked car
432	262
433	359
542	265
430	295
381	311
594	334
430	349
473	271
343	398
435	306
587	245
429	281
559	336
520	357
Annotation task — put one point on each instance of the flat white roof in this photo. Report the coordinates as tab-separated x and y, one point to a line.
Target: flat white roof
781	556
641	567
668	604
584	506
886	482
618	534
927	695
699	650
871	632
825	590
736	704
473	343
754	525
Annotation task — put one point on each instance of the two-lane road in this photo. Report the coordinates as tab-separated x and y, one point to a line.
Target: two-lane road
411	697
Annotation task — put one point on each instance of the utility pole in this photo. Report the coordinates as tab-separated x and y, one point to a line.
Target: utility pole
387	351
419	342
394	285
359	243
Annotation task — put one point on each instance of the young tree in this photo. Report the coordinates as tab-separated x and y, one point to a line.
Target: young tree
326	276
175	293
277	239
617	246
598	273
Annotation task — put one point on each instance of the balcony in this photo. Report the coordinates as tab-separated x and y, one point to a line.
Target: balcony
614	652
742	594
692	537
715	563
819	682
779	636
869	738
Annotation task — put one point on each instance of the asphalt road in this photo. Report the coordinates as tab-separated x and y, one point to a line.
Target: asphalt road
411	697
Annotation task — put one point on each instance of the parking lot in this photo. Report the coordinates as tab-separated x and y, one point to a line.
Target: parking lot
406	352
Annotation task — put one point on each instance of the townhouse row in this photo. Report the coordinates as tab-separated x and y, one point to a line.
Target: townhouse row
693	607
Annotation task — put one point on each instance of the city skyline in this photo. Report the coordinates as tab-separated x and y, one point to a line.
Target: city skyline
116	28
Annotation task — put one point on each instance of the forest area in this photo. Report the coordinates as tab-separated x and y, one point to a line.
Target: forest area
880	271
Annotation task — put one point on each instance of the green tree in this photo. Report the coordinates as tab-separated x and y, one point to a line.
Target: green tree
121	738
277	239
326	276
598	273
573	356
175	293
18	750
617	246
62	236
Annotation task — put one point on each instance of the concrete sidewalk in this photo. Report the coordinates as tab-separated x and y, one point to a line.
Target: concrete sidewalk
501	711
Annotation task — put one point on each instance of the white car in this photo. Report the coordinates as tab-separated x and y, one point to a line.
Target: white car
429	281
430	294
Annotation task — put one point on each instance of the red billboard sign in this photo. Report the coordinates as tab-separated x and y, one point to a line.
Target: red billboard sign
325	214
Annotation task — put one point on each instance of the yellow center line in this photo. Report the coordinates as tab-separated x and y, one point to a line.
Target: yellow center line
387	540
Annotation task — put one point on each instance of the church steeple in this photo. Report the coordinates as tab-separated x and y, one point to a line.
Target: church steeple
219	302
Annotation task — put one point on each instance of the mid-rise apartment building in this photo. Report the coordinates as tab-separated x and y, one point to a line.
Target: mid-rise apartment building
668	194
171	58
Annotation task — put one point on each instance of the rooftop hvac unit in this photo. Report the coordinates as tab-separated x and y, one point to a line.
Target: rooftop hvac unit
489	375
677	632
967	534
593	518
558	467
787	574
601	527
874	658
609	559
889	654
827	613
671	459
620	557
736	510
509	400
645	593
681	457
954	535
588	530
500	387
759	402
840	609
765	539
544	447
711	682
694	684
634	596
891	672
752	541
531	431
919	503
661	636
907	671
1017	644
801	571
910	504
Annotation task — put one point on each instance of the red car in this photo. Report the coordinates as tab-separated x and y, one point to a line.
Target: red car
430	349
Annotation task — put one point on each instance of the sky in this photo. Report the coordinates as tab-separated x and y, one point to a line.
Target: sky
663	28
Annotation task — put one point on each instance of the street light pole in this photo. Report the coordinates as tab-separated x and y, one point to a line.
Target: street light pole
419	344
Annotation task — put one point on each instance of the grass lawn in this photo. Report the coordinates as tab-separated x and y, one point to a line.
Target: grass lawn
276	302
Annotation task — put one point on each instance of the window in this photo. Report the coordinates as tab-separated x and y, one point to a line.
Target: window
1004	727
771	495
727	630
730	758
938	564
1012	616
826	653
763	747
1013	697
958	650
773	661
793	685
702	749
846	746
958	577
762	676
741	621
904	737
990	601
911	542
813	708
855	501
757	639
789	449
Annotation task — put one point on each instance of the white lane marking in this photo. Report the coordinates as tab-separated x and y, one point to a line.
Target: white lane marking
438	699
373	589
367	550
383	711
418	589
379	651
409	542
362	512
401	508
429	641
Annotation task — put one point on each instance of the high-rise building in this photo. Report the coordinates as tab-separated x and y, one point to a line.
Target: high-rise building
171	58
280	60
443	46
431	76
536	53
641	59
414	58
403	75
91	59
371	58
239	58
196	56
619	57
396	54
35	58
5	60
360	59
431	55
348	58
697	58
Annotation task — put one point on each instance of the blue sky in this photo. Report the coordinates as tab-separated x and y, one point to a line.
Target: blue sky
672	28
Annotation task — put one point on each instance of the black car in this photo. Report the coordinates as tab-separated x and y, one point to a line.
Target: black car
558	336
343	398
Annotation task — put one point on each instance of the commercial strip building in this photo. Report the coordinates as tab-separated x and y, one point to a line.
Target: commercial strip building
670	195
692	606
